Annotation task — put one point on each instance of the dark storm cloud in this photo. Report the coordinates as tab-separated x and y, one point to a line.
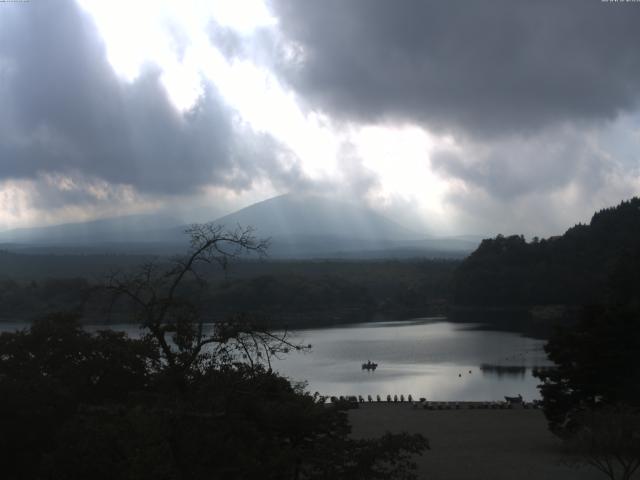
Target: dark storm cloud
65	111
480	68
514	167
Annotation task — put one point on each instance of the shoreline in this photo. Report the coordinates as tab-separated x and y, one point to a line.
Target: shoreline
437	404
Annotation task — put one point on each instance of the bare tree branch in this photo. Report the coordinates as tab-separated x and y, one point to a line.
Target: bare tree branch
157	297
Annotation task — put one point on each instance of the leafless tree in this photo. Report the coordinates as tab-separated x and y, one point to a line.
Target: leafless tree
608	440
161	296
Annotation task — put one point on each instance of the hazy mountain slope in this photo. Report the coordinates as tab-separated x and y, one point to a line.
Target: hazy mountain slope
303	226
300	215
132	228
299	226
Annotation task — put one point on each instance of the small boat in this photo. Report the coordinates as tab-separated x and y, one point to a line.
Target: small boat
369	366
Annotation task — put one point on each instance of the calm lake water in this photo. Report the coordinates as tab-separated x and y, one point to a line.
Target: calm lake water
427	357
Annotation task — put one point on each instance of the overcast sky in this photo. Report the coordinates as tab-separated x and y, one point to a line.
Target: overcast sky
450	116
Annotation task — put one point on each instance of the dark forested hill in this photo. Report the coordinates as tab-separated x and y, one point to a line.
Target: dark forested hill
588	264
291	293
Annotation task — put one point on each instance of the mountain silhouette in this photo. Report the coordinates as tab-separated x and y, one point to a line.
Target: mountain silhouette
299	226
309	215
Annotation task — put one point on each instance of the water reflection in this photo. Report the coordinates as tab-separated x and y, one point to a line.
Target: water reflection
503	370
429	358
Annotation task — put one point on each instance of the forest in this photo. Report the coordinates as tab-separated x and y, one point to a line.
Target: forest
587	265
288	293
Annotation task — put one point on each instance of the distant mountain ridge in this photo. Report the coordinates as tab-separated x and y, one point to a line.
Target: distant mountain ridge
130	228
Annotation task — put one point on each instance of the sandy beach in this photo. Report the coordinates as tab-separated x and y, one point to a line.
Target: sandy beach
474	444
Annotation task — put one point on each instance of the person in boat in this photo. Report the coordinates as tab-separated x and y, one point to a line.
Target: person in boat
369	365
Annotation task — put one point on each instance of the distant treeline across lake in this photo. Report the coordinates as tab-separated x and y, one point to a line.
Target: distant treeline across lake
286	293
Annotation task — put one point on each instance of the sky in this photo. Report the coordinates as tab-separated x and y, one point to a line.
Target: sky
484	117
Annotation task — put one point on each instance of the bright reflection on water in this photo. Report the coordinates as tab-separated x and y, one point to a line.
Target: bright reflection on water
429	358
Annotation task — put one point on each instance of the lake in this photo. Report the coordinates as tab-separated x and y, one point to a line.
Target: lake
428	357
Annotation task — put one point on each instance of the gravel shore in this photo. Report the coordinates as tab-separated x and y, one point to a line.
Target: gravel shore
474	444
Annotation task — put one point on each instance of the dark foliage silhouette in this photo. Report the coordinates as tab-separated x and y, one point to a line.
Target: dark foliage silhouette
572	269
183	401
596	365
608	440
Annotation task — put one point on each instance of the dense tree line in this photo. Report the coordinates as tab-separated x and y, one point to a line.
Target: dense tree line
572	269
25	300
289	293
591	396
595	365
23	266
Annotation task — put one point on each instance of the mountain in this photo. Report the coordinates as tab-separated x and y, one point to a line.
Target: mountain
314	216
299	226
142	229
308	226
